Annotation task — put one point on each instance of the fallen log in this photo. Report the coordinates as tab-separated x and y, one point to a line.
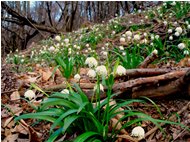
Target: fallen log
179	85
128	85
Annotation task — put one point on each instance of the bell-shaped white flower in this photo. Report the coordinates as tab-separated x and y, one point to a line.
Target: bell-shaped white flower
181	46
155	51
29	94
138	132
65	91
77	77
52	48
137	37
122	40
171	38
128	33
91	62
101	87
179	30
169	31
120	70
66	40
58	38
186	52
101	70
121	48
91	73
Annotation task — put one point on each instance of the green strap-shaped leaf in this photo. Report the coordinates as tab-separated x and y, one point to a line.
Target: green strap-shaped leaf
85	136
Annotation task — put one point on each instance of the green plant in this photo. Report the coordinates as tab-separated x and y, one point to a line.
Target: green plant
132	57
74	113
65	65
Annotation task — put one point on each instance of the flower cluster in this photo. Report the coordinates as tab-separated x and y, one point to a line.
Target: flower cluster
91	62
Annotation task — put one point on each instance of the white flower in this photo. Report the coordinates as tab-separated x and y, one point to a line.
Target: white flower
146	17
157	36
177	33
120	70
137	37
101	70
66	40
123	53
22	60
77	77
186	52
138	132
29	94
113	32
105	53
169	31
145	41
145	34
155	51
101	87
91	62
122	40
152	37
181	46
151	44
128	33
78	47
121	48
173	3
128	38
103	48
65	91
91	73
52	48
58	38
175	23
165	23
188	26
75	46
171	38
179	30
87	45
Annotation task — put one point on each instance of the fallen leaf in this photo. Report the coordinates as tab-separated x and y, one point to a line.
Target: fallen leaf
46	75
15	109
11	124
20	129
11	138
7	121
7	132
15	96
117	125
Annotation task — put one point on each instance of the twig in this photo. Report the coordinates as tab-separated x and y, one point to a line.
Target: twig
149	59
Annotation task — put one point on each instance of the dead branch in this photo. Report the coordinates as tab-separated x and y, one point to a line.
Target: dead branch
180	84
151	71
149	59
128	85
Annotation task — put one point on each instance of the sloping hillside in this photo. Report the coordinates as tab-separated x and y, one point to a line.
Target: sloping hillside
95	84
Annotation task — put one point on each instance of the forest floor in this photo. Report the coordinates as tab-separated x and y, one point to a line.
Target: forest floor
174	104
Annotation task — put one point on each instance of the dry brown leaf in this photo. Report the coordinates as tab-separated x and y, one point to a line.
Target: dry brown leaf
20	129
15	109
15	96
11	124
11	138
117	125
7	121
7	132
46	75
31	79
